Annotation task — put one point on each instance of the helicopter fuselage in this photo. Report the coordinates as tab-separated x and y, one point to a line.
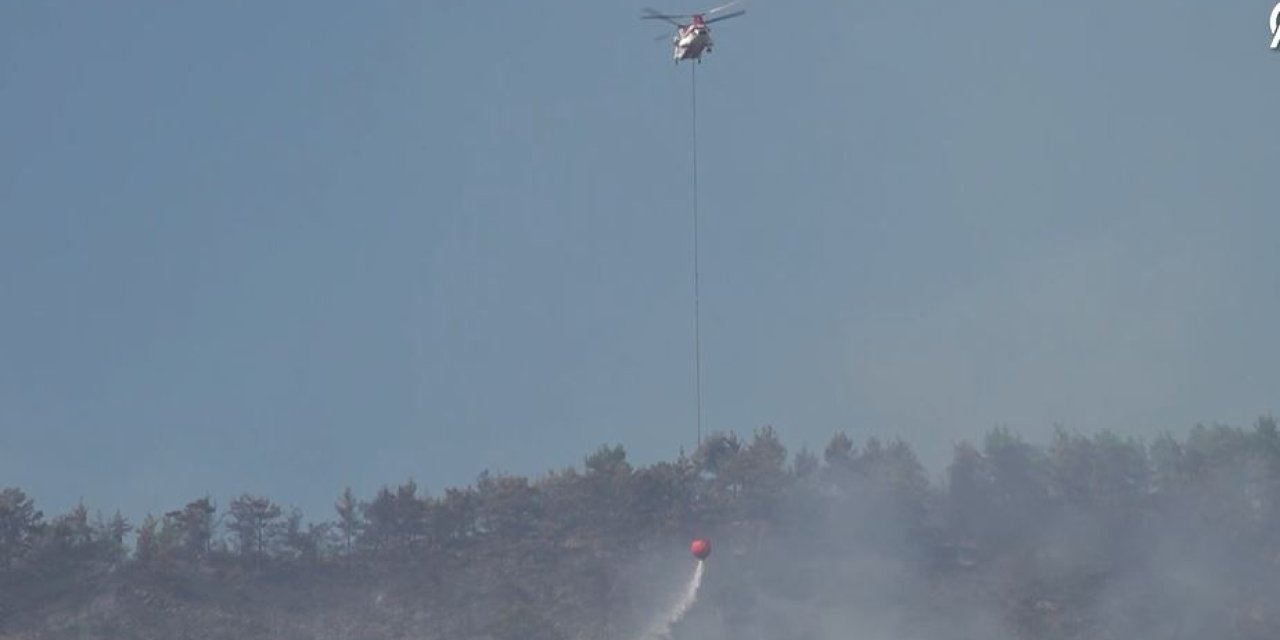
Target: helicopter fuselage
691	42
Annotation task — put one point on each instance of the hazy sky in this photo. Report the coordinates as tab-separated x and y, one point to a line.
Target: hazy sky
283	247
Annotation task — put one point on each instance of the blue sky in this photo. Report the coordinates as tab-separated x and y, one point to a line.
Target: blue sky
288	247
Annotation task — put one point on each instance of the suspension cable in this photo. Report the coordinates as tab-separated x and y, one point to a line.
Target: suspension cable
697	318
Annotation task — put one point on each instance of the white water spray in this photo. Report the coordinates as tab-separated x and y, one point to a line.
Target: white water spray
661	630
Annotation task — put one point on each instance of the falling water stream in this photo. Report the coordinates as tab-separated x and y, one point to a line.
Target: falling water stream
661	630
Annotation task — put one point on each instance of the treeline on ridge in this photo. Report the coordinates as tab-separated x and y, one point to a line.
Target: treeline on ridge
997	507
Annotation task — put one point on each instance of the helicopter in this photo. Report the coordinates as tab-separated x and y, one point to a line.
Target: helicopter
693	39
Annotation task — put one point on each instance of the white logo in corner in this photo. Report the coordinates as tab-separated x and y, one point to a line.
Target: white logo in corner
1275	27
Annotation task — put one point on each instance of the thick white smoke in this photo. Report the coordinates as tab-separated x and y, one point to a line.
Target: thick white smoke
661	630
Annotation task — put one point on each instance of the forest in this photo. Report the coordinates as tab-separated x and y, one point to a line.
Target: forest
1091	536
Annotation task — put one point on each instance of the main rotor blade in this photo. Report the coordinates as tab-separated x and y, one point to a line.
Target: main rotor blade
654	14
725	16
722	8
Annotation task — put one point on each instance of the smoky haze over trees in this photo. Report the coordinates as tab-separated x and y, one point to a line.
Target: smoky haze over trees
1085	536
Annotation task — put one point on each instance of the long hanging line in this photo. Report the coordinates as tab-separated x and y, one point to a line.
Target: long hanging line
697	318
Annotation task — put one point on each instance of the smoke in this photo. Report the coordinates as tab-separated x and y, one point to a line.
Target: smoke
661	629
839	567
1087	539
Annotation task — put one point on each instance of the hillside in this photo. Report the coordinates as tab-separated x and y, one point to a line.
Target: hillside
1092	537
